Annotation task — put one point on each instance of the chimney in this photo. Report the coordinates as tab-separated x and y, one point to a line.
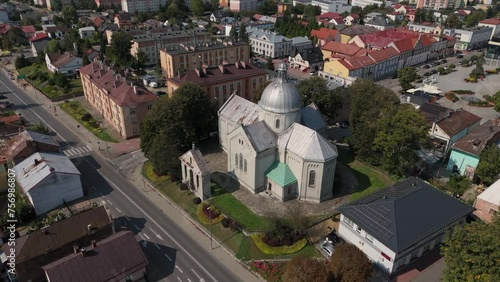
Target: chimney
83	251
75	248
94	243
37	161
89	227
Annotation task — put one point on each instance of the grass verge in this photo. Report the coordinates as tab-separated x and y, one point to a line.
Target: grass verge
51	91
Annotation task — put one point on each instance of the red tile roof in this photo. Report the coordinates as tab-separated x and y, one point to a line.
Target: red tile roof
330	16
98	21
383	54
403	45
324	33
342	48
117	88
457	121
28	29
4	28
461	13
112	259
475	142
346	64
39	36
373	41
360	62
354	16
493	21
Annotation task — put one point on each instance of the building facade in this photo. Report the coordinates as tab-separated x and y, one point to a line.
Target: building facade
487	204
332	6
181	57
134	6
470	38
64	63
123	105
222	81
243	5
438	4
364	3
271	44
196	173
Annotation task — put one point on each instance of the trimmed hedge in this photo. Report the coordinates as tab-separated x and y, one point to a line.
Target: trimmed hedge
463	91
482	104
204	219
281	250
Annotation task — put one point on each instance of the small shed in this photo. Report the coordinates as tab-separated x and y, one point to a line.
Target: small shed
196	173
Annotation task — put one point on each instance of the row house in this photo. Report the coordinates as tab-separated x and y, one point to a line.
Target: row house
350	31
470	38
334	49
493	23
330	17
271	44
222	81
181	57
123	105
325	35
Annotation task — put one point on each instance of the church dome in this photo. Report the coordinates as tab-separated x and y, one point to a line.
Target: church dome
281	96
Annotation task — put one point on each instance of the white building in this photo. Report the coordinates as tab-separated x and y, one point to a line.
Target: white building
243	5
470	38
86	32
364	3
425	28
196	173
271	44
272	146
133	6
493	23
396	225
336	6
64	63
48	180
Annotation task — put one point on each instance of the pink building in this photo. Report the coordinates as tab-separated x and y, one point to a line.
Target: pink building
243	5
487	203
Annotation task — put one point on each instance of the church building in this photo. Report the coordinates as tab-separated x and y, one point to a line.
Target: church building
278	145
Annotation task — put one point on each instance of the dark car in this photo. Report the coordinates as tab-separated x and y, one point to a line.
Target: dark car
427	73
436	63
158	93
444	61
426	67
3	97
433	71
460	56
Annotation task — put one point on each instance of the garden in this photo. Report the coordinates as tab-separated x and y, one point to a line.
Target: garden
76	110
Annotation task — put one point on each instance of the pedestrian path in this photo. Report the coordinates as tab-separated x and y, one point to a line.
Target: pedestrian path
77	151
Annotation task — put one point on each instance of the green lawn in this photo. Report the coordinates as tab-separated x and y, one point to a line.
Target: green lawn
369	178
76	110
51	91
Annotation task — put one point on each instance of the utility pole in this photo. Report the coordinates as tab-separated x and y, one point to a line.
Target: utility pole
210	218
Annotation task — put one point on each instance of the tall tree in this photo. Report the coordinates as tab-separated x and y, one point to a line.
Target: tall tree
407	76
197	7
349	263
474	18
121	43
497	101
401	131
472	252
315	90
242	34
270	64
452	21
53	46
305	269
68	13
85	60
14	37
488	169
174	124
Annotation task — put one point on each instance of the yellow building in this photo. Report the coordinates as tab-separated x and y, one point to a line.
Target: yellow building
182	57
124	106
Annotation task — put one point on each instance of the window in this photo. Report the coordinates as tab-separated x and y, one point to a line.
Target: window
369	237
245	167
197	181
236	160
312	178
132	112
348	221
150	107
277	124
358	229
185	171
241	161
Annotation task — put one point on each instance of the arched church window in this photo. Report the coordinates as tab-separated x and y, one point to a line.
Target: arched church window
236	160
312	178
245	167
277	123
197	181
185	171
241	161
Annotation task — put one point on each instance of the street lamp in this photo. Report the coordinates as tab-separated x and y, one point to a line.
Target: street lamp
210	219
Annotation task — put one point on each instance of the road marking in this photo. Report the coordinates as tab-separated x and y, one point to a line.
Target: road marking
78	150
118	210
179	269
146	235
168	257
196	274
135	226
189	280
159	227
142	237
127	218
156	234
101	194
157	246
179	279
109	202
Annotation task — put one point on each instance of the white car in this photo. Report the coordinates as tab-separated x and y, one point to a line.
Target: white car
153	84
328	248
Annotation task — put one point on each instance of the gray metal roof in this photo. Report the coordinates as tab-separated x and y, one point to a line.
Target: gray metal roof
196	160
312	118
280	96
261	136
39	137
405	213
239	110
307	144
271	37
29	173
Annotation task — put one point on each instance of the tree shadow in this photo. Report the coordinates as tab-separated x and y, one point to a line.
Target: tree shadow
223	183
347	179
210	146
133	224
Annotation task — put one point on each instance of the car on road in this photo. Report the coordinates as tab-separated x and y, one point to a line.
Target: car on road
433	71
460	56
444	61
426	66
428	73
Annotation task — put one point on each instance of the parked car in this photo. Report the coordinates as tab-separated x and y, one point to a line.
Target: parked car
428	73
153	84
158	93
444	61
436	63
328	248
3	97
426	67
433	71
460	56
313	72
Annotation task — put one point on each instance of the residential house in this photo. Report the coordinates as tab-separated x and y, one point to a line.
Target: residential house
300	43
4	16
222	81
379	23
265	19
487	204
49	180
221	17
494	23
351	19
461	14
136	6
396	17
470	38
404	9
194	166
271	44
397	225
55	32
28	30
335	49
364	3
243	5
86	32
38	43
450	127
425	27
371	41
372	16
325	35
26	144
63	62
349	32
180	57
330	17
466	152
310	59
122	104
116	258
386	62
41	247
123	20
410	16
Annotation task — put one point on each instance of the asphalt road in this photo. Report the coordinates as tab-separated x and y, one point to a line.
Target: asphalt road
173	255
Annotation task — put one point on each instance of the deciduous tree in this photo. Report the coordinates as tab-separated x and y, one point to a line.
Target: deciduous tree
349	263
197	7
270	64
120	46
315	90
53	46
407	76
474	18
488	169
85	60
472	252
68	13
305	269
452	21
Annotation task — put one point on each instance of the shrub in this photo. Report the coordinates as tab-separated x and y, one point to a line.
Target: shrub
196	201
206	217
278	250
183	186
452	66
489	98
226	222
461	91
482	104
235	226
451	96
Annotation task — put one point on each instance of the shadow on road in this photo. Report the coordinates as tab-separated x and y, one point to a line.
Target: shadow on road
90	177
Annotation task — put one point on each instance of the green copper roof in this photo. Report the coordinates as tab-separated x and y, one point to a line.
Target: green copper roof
281	174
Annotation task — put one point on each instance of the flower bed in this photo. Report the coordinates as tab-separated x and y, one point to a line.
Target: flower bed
493	71
471	79
209	214
280	250
270	271
460	92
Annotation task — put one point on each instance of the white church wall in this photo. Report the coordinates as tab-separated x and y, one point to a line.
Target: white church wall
225	129
264	161
328	180
240	145
311	193
285	120
296	166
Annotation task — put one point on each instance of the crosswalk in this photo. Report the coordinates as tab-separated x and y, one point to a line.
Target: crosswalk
77	150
